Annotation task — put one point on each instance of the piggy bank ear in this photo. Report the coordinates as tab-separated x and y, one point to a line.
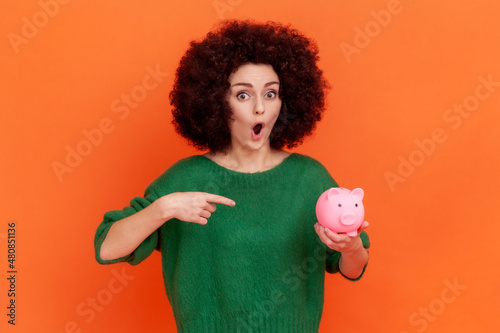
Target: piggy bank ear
331	192
358	192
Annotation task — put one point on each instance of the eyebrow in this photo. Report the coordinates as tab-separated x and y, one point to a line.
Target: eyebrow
250	86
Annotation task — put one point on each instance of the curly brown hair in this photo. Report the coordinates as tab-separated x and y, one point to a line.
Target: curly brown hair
201	113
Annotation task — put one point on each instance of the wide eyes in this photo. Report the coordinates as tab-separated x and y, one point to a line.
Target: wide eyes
271	94
242	96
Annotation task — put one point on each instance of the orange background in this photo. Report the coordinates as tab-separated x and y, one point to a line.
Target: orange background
430	174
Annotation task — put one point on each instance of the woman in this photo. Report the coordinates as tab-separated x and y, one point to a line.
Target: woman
236	226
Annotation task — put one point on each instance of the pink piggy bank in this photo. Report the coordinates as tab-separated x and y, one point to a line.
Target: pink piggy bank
341	210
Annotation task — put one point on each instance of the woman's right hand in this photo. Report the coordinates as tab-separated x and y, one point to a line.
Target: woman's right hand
194	207
126	234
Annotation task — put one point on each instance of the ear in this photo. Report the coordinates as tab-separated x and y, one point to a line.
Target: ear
358	192
331	192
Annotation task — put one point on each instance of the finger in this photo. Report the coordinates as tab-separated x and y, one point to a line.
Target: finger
324	238
205	214
219	199
337	238
210	207
363	226
197	219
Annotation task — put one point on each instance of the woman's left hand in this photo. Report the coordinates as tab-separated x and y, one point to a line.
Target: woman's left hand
340	242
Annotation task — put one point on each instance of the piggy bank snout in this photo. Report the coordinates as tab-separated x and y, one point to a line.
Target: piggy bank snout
348	219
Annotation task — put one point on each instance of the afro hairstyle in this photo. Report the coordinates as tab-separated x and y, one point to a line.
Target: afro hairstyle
201	113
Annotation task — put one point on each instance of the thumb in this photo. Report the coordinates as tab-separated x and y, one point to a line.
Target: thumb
363	226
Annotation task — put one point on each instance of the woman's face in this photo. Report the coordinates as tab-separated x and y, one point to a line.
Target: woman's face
254	100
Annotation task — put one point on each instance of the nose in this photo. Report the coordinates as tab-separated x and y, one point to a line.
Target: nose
347	219
259	107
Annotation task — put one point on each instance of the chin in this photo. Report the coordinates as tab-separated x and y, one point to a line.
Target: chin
257	145
254	146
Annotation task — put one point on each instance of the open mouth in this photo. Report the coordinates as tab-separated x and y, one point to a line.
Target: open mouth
257	131
257	128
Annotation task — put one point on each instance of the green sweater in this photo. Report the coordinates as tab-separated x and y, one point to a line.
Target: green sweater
255	267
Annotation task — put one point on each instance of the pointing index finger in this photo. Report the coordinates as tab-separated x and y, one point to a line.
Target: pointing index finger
214	198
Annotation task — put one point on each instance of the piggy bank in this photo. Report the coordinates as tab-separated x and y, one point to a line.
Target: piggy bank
341	210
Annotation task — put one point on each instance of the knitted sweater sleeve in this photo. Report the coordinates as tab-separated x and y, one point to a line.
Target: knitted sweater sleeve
145	248
333	258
